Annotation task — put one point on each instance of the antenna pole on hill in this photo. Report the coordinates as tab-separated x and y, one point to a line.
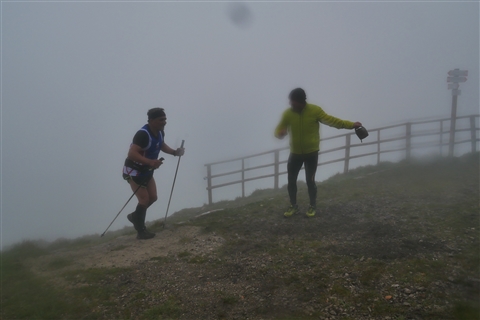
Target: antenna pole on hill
455	77
173	186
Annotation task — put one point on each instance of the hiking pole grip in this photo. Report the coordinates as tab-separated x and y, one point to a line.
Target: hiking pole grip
181	147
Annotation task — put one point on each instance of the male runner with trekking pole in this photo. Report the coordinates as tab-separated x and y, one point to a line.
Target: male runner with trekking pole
301	121
142	159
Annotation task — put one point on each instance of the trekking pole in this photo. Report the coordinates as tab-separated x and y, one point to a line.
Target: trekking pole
173	186
139	186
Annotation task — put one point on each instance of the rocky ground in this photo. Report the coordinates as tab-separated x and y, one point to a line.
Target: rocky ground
397	243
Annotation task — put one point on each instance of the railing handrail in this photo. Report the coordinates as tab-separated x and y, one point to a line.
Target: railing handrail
406	136
343	135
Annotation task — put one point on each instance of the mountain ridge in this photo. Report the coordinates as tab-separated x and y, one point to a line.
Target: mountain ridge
394	241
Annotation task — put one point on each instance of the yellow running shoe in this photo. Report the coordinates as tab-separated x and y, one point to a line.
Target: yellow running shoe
311	212
291	211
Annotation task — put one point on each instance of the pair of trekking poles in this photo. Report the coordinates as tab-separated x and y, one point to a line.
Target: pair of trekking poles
139	186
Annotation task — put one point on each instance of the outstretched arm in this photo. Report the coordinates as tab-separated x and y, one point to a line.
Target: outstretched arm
334	122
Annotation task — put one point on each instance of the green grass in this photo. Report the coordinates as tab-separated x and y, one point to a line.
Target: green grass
184	254
24	250
427	198
198	259
466	310
169	309
162	259
119	247
59	263
185	240
227	299
27	296
411	225
370	270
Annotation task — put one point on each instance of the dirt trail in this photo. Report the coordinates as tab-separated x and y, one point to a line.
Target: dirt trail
126	251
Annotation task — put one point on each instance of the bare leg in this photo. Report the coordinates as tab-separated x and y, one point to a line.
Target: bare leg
152	196
142	194
152	192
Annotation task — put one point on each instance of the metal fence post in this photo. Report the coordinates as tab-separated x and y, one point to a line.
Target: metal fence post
378	147
209	183
276	169
243	178
408	140
453	119
441	137
347	153
473	133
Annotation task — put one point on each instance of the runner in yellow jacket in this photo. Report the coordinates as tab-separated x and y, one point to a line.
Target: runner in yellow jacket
302	122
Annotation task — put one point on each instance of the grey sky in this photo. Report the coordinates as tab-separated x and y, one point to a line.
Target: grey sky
79	77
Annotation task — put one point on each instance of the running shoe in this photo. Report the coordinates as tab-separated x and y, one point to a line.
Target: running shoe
291	211
311	212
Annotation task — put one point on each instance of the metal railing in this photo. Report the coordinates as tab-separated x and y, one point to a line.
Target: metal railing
409	131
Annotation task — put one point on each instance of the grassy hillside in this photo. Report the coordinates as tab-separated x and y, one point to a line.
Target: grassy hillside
395	241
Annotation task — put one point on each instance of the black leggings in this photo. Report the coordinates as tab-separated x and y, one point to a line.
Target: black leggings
295	162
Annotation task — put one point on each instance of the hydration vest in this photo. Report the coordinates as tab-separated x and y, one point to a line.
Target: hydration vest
151	151
154	144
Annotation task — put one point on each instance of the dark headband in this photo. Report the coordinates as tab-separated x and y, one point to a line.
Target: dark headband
155	113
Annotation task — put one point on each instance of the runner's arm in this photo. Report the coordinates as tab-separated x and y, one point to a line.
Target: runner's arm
135	154
334	122
281	129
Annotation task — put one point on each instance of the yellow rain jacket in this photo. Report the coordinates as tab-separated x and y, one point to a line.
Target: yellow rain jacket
303	127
